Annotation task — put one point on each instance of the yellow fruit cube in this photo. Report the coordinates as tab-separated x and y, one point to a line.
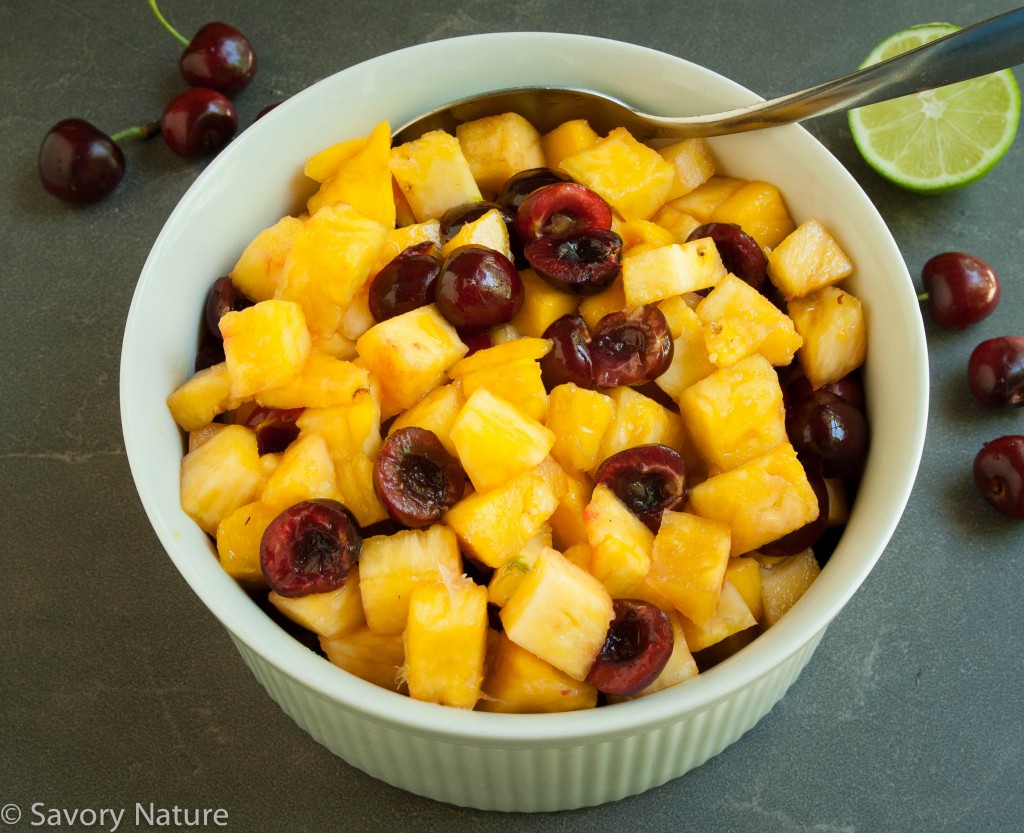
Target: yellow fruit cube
446	642
758	208
195	402
542	305
497	147
351	428
761	500
238	541
329	614
656	274
677	222
518	382
433	175
510	575
323	382
808	259
374	657
578	418
488	231
400	239
257	274
692	162
354	476
640	236
736	413
436	412
560	613
306	471
335	345
520	682
745	575
567	526
496	441
324	164
739	321
690	362
639	420
701	202
410	354
612	298
831	322
731	617
495	525
220	476
265	346
688	563
783	582
499	354
632	177
392	566
565	140
363	180
620	543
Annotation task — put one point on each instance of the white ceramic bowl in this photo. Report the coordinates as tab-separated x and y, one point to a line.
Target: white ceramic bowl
496	761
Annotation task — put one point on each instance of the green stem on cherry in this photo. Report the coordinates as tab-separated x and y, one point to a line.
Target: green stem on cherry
141	131
923	296
163	20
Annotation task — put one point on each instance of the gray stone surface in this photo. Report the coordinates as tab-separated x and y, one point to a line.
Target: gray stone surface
118	687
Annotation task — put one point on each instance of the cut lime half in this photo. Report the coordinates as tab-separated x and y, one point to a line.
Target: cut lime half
940	139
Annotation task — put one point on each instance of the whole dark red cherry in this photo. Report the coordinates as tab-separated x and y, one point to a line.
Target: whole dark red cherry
218	57
223	297
960	289
406	283
630	348
635	651
78	162
999	474
740	252
848	389
830	432
198	122
416	478
478	288
310	548
995	372
569	359
648	479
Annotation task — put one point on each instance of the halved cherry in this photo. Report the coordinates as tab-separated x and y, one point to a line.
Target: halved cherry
559	208
648	478
635	651
416	478
275	427
569	358
520	185
630	348
310	548
583	260
740	252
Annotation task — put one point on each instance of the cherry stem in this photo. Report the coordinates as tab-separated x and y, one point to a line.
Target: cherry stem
141	131
166	24
923	296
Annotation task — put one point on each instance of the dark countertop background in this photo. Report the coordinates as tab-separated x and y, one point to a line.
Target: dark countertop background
117	686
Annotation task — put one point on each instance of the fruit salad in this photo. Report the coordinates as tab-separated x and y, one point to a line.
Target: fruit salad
527	423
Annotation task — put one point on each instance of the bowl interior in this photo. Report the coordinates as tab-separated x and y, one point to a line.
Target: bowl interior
257	179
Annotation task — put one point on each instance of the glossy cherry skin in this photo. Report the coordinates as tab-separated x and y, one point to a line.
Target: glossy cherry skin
309	548
995	372
740	252
455	218
79	163
223	297
583	260
198	122
569	359
275	428
830	432
559	208
407	282
635	651
962	289
478	288
416	478
520	185
219	57
999	474
631	348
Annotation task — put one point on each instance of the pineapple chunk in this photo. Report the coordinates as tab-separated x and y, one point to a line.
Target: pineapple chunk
400	239
620	543
410	353
641	236
257	273
578	418
693	164
567	526
640	420
736	413
433	175
761	500
518	382
499	354
436	412
493	526
446	642
265	346
305	472
335	345
195	402
496	441
238	541
542	305
701	202
357	318
756	207
351	428
688	563
612	298
363	180
732	616
656	274
328	614
323	382
745	574
354	476
323	165
488	231
784	582
510	575
391	566
690	362
560	613
520	682
831	322
566	139
374	657
631	177
221	475
675	221
681	665
808	259
739	321
496	147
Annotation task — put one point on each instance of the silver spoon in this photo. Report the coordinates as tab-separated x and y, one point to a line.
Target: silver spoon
989	46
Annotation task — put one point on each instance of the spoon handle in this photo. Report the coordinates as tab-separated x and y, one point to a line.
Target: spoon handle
989	46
